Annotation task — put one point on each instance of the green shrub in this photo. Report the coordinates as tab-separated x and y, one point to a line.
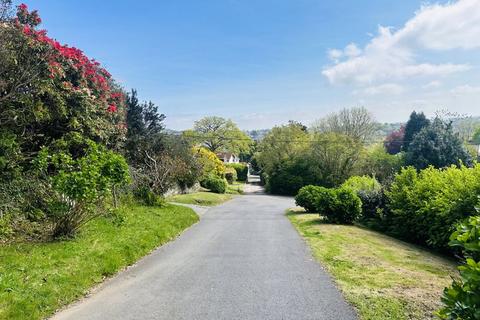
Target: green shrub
148	197
363	183
215	184
462	299
230	175
241	169
425	206
79	182
345	208
307	197
369	190
340	205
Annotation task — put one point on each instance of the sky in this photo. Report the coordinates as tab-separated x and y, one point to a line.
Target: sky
264	62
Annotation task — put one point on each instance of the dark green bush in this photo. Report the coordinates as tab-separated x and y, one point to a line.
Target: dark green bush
230	175
148	197
373	205
425	206
462	299
215	184
289	177
345	207
241	169
307	197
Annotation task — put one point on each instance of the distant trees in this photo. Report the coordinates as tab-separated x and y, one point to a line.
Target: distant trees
356	123
220	134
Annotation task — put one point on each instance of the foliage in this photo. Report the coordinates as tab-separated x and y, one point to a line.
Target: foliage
218	134
375	161
49	90
438	146
414	125
215	184
340	205
462	299
356	123
241	169
209	162
290	176
394	141
333	158
370	192
362	183
79	182
307	197
476	136
280	144
230	174
425	206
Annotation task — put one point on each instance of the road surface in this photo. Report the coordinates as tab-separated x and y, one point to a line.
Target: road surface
243	260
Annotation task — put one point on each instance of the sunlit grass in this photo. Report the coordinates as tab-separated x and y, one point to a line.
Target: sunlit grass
382	277
38	278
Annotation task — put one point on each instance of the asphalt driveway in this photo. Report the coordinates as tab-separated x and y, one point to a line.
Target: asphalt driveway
243	260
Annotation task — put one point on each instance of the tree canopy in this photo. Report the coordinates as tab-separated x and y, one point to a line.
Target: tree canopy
219	134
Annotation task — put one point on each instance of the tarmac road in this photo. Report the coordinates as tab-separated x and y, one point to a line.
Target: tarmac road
243	260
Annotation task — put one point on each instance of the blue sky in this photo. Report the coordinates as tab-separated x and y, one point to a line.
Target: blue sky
264	62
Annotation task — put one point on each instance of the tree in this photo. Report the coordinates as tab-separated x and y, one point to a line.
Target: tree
334	157
219	134
415	124
145	129
436	145
356	123
394	141
476	136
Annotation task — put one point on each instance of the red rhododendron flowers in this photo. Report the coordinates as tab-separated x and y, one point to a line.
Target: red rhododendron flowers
64	60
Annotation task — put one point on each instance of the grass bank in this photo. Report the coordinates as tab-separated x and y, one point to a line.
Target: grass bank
206	198
38	278
382	277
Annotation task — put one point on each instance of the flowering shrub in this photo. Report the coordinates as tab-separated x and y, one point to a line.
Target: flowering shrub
51	89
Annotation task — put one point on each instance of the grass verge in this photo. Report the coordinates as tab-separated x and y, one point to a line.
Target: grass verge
382	277
38	278
202	198
206	198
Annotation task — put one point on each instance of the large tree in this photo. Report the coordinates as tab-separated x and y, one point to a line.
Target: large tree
414	125
356	123
220	134
437	145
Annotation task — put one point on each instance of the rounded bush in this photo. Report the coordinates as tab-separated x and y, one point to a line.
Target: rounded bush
241	170
341	205
215	184
307	196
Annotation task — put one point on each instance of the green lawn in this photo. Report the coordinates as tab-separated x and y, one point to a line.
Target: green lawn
36	279
382	277
206	198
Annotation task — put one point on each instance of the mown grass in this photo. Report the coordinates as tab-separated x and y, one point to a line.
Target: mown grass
207	198
38	278
382	277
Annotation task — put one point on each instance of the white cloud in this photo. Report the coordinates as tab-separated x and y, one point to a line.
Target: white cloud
465	89
392	54
350	51
432	84
383	89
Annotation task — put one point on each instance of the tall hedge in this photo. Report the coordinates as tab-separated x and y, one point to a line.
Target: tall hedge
425	206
